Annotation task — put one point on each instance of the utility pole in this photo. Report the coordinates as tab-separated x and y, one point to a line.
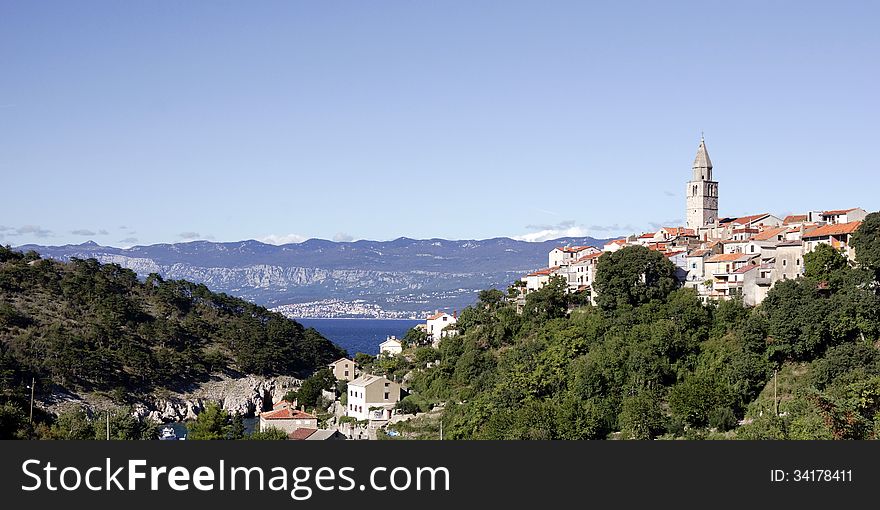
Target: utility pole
108	425
33	383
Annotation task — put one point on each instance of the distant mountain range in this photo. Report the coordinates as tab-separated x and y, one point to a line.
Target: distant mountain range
403	278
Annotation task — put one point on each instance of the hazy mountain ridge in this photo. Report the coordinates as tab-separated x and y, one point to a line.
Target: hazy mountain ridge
401	275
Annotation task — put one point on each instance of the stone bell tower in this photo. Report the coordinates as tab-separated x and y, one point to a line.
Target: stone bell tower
702	191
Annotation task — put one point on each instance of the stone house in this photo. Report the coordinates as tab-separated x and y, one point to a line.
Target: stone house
343	369
371	397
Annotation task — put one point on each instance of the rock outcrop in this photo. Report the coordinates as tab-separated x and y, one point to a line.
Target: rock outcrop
247	396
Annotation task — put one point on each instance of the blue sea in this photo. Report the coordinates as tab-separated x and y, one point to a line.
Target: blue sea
359	335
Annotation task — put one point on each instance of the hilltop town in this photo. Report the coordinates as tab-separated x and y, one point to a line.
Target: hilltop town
720	257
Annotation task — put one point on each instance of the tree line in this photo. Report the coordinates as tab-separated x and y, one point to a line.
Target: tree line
652	360
86	326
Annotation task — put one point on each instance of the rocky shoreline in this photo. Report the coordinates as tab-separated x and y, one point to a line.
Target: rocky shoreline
246	395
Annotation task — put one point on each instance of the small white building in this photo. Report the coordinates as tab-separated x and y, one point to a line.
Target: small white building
565	255
391	346
436	327
371	397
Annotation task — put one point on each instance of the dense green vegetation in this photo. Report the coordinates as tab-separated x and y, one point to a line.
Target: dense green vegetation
86	326
653	361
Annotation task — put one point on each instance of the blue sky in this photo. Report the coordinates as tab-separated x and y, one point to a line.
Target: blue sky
144	122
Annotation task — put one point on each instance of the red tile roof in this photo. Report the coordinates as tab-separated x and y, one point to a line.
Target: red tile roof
679	231
591	256
301	434
698	253
544	272
574	249
281	404
770	233
437	316
745	220
726	257
746	268
287	414
838	212
648	235
833	230
794	218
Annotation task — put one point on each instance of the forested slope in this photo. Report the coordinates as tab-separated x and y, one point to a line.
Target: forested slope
653	361
81	325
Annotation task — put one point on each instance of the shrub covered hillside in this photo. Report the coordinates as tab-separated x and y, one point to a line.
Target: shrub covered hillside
88	326
653	361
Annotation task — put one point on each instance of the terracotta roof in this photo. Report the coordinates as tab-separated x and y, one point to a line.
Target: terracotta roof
438	315
770	233
301	434
287	414
281	404
837	212
341	359
648	235
673	253
794	218
574	249
698	253
616	241
744	220
833	230
728	257
591	256
544	272
679	231
746	268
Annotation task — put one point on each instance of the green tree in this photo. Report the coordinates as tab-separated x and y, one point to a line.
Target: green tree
73	423
271	434
866	243
13	421
549	302
641	415
414	337
310	391
824	262
213	423
632	276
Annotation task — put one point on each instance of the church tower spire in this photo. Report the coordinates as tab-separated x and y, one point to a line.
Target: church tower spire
702	191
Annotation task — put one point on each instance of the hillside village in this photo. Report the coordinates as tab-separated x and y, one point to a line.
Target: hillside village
720	257
362	402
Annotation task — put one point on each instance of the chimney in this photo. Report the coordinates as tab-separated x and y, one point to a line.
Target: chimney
455	314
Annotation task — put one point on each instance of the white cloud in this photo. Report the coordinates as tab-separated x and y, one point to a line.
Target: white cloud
552	233
282	239
342	237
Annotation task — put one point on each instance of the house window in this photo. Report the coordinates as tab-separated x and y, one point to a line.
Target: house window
346	373
386	395
784	262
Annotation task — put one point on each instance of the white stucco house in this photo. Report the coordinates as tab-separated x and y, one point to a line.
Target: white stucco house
391	346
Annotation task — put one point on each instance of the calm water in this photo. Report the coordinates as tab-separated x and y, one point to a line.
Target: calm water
250	426
359	335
